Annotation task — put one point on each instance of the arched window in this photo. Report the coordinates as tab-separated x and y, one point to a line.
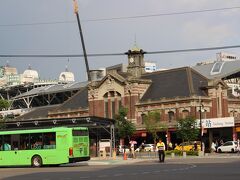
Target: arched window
185	113
142	117
233	113
170	116
105	97
112	102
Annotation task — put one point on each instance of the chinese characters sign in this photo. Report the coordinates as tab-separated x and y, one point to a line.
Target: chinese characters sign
217	122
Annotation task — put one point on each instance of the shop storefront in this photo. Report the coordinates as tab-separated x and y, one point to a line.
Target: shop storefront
218	129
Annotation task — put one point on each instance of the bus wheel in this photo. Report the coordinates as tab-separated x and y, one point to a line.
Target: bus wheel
36	161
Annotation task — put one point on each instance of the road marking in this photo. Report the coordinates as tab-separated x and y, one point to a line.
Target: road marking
120	174
103	176
133	174
86	177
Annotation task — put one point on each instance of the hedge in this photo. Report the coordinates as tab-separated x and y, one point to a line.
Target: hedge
180	153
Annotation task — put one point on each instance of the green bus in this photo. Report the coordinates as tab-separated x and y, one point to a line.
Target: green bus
50	146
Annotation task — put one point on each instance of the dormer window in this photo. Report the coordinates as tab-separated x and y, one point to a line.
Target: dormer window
217	67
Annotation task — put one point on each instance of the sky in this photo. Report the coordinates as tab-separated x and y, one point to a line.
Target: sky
43	27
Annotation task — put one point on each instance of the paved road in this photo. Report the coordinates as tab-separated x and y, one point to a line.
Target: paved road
187	169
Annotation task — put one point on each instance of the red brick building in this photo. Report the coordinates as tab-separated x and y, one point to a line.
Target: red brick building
176	93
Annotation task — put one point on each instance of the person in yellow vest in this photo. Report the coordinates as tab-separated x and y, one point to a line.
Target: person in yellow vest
161	150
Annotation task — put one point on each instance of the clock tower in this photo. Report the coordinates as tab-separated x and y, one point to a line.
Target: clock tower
136	66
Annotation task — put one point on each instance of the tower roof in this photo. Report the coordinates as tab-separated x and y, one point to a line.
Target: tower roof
135	48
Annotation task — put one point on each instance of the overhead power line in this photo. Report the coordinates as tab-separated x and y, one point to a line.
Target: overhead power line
193	49
123	17
37	24
57	55
115	54
164	14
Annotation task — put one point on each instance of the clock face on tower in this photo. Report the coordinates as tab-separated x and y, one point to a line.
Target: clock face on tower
131	60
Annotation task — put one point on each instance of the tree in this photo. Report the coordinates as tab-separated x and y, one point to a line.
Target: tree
4	104
187	129
153	124
125	128
2	123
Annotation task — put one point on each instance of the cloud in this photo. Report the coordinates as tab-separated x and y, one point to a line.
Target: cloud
199	32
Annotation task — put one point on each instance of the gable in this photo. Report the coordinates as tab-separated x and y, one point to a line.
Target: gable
110	84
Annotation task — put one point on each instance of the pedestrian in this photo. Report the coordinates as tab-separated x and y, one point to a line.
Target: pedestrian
132	144
6	146
213	147
161	150
170	146
203	146
238	146
195	146
216	146
142	147
221	142
175	145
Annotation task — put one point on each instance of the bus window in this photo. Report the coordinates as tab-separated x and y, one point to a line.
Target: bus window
49	140
36	141
6	143
80	133
15	141
1	143
24	142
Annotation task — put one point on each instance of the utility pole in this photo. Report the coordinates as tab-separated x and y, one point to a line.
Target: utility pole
82	40
200	118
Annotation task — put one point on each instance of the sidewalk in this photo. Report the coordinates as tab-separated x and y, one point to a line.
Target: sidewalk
120	161
111	161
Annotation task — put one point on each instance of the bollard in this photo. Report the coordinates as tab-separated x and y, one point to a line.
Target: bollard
124	156
200	153
104	154
114	155
172	155
100	154
184	154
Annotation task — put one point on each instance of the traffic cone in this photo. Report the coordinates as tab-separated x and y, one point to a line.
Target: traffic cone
124	156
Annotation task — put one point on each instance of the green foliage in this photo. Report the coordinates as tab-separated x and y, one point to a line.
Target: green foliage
180	153
2	123
176	152
125	128
153	124
4	104
187	129
192	153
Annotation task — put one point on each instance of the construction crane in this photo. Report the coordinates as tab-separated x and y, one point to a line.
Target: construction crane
82	39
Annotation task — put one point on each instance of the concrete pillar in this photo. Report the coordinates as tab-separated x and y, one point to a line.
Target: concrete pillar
200	153
114	155
184	154
104	154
